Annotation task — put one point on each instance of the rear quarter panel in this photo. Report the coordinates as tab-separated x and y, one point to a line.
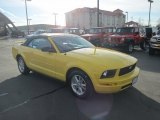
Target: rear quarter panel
14	52
22	51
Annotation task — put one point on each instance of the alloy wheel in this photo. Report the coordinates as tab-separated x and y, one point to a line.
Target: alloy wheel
78	85
21	65
130	48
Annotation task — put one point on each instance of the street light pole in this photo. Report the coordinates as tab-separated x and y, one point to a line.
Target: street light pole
151	1
29	20
55	14
127	16
27	15
97	13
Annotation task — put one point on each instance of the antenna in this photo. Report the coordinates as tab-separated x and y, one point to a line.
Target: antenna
95	50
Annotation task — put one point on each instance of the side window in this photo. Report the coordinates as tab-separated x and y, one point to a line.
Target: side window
136	30
142	31
39	43
114	30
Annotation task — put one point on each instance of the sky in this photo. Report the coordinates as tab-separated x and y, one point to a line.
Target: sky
41	11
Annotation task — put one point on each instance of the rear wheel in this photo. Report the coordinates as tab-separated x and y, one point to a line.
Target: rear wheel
22	66
143	45
80	84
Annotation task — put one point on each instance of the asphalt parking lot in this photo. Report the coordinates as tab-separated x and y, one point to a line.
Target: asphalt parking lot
37	97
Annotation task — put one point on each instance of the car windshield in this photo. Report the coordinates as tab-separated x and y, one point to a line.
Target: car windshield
122	31
95	30
69	43
58	30
108	30
39	32
73	31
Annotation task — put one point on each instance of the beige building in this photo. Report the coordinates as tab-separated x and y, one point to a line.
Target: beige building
87	18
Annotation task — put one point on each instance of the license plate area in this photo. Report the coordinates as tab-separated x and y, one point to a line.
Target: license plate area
134	80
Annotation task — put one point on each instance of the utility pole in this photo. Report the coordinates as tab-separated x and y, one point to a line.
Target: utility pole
127	16
55	14
29	20
27	15
97	13
151	1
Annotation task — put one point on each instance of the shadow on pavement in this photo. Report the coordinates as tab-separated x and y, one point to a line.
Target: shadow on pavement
23	88
147	62
37	97
131	104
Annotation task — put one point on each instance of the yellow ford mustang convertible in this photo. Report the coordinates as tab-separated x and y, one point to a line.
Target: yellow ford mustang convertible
72	59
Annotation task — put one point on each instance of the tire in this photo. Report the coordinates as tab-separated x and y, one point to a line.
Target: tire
151	51
143	45
80	84
22	66
129	48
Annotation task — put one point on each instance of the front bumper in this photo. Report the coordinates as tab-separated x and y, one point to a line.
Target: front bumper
155	45
116	84
114	44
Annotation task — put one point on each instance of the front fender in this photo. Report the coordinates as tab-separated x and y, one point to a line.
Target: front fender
92	72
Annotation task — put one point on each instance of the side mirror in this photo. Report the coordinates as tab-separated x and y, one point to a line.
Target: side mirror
47	49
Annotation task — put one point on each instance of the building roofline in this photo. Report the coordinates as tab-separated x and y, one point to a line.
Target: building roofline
112	13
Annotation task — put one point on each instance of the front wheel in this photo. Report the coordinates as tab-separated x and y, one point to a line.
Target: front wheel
80	84
129	48
22	66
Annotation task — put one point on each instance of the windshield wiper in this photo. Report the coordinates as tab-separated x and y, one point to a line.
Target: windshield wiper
80	47
64	51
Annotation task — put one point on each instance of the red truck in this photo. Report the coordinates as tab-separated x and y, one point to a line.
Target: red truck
126	38
99	35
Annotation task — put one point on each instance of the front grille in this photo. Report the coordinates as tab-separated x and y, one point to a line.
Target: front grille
127	69
115	40
158	40
125	86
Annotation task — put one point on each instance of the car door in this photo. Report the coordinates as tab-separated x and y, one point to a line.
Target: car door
42	61
136	35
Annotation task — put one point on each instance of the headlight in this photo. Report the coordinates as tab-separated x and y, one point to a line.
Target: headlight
89	38
122	40
153	40
108	74
109	39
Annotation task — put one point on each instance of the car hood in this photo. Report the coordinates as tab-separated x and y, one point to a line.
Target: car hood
120	36
89	35
103	57
156	36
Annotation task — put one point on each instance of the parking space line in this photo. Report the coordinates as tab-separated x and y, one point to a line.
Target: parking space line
3	94
30	99
13	107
